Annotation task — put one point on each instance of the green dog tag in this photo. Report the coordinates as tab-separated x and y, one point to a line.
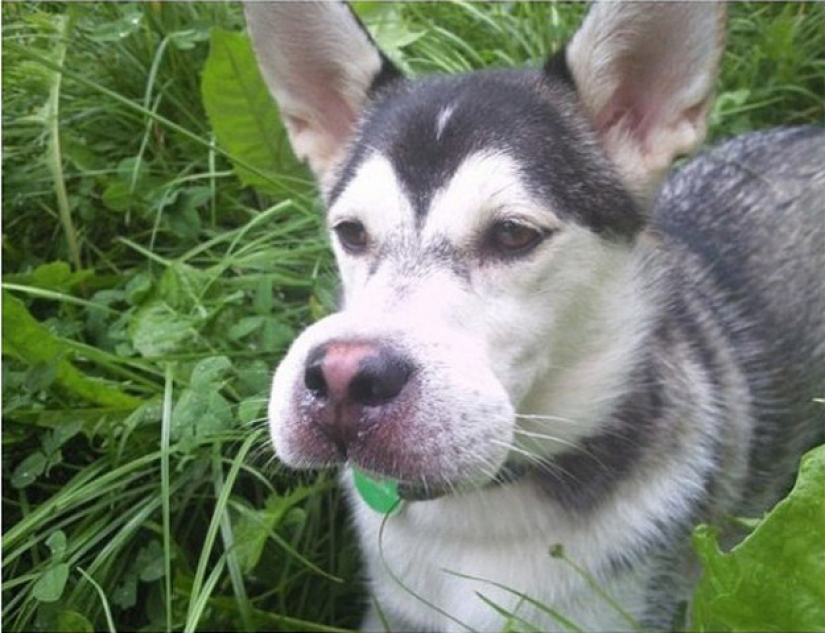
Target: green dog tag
379	494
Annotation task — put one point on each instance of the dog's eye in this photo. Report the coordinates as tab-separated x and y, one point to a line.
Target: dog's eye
352	235
513	238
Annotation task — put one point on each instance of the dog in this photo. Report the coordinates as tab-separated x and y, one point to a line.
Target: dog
564	358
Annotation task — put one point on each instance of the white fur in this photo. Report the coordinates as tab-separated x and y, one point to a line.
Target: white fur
486	187
442	120
503	537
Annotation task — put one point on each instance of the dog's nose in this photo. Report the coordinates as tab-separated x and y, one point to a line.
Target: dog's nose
345	377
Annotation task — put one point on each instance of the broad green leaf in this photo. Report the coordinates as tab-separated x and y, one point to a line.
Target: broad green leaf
29	341
200	413
263	301
254	526
60	435
68	621
183	286
210	372
775	579
57	276
252	410
119	196
276	335
57	545
243	114
187	39
255	378
158	329
113	31
138	288
389	29
29	470
150	562
245	327
40	377
125	592
49	587
183	217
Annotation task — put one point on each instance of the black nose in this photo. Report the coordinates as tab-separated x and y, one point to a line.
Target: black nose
379	379
344	377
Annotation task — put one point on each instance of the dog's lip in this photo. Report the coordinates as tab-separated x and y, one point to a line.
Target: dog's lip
423	491
510	472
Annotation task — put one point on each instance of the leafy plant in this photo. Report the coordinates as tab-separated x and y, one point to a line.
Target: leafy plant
772	581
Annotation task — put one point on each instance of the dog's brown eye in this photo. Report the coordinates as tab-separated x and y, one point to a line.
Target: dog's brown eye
352	235
513	238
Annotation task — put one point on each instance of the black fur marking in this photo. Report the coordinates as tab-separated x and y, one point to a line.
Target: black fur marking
447	254
557	68
530	116
387	76
580	479
388	73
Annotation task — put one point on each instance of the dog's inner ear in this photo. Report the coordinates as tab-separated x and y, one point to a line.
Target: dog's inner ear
646	73
320	65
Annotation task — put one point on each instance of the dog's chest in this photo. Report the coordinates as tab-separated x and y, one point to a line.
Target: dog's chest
482	561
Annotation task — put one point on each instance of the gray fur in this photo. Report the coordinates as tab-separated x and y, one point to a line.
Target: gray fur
740	262
745	229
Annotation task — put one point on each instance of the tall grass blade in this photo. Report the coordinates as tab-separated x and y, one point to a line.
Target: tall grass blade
105	601
232	563
200	593
166	493
54	155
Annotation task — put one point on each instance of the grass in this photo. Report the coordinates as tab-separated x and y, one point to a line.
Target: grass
148	291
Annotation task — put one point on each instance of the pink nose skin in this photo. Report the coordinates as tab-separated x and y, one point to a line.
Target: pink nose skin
344	378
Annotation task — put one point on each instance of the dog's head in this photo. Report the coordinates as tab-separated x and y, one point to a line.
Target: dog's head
484	227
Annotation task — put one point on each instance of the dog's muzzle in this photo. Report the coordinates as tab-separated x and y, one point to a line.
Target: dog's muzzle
422	410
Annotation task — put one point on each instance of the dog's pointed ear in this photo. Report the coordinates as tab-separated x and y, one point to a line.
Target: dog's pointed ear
320	65
646	73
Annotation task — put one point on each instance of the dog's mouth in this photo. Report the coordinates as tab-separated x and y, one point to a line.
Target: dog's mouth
511	472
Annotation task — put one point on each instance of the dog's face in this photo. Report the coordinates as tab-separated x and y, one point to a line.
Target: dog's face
461	257
485	241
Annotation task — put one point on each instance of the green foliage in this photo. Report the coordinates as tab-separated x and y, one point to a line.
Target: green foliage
26	340
135	383
773	72
243	115
161	248
773	580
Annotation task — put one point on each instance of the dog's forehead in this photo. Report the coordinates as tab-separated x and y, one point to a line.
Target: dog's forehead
428	129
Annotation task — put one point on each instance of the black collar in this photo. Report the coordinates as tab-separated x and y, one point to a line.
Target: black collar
509	473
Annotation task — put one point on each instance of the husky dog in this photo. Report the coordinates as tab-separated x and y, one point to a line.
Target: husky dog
543	339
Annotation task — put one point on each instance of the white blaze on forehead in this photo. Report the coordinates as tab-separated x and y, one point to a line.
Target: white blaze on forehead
485	187
443	118
374	196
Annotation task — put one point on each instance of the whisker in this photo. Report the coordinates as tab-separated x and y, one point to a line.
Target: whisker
515	449
548	437
548	418
546	463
